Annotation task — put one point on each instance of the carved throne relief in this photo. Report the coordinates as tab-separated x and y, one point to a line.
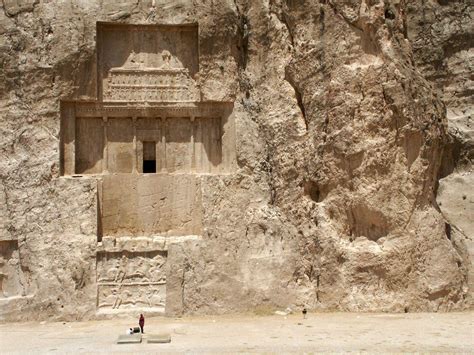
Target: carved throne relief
138	80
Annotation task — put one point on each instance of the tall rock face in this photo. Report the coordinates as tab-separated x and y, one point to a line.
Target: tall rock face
291	154
442	36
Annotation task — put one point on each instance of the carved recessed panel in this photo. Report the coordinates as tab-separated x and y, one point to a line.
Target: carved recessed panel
155	204
128	280
89	145
12	282
147	63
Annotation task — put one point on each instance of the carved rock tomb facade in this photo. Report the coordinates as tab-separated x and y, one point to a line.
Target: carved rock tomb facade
146	140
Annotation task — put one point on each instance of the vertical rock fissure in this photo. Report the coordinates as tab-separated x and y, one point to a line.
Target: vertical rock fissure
299	99
269	171
284	20
243	39
283	17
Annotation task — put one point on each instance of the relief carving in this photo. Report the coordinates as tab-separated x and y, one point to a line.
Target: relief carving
128	280
12	282
137	80
124	297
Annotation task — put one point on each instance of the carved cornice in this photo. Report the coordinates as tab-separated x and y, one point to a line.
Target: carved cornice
162	109
143	71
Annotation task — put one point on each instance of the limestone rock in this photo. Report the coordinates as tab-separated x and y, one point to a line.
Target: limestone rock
441	33
212	157
456	200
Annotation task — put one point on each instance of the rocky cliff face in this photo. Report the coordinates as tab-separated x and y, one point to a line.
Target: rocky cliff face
341	131
442	37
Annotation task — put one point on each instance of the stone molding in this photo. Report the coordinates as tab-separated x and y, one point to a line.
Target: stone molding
164	109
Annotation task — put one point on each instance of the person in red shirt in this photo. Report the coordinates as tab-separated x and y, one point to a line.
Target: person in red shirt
141	322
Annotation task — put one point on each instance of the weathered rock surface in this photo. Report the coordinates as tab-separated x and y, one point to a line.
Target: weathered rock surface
442	35
340	140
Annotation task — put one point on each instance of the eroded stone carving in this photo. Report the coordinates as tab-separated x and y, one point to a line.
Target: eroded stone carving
148	63
11	277
151	205
151	85
131	280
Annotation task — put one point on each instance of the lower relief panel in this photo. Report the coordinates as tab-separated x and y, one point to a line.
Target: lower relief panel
12	281
131	281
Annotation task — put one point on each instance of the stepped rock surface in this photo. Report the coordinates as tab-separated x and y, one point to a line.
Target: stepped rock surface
309	154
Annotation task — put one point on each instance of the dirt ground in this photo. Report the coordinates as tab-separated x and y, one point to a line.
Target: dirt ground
321	332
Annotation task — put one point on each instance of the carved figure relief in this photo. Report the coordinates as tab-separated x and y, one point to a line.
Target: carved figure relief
150	64
127	280
12	282
150	85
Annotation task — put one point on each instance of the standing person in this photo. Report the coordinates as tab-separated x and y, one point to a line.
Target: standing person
141	322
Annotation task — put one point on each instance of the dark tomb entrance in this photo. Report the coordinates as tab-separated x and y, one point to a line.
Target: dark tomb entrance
149	157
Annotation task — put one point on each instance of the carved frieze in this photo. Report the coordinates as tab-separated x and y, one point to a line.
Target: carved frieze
131	280
151	85
113	297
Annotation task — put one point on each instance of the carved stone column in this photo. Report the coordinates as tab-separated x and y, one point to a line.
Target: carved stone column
134	123
68	138
163	144
193	148
105	164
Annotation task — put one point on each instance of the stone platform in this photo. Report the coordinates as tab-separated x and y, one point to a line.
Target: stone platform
158	338
129	339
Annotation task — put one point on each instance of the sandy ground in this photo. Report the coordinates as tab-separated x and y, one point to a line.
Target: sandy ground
322	332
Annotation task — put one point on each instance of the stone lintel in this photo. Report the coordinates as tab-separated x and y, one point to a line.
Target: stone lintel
8	238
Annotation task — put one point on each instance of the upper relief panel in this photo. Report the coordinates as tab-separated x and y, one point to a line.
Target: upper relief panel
147	63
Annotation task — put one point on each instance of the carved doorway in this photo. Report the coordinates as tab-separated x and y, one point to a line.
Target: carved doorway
149	157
